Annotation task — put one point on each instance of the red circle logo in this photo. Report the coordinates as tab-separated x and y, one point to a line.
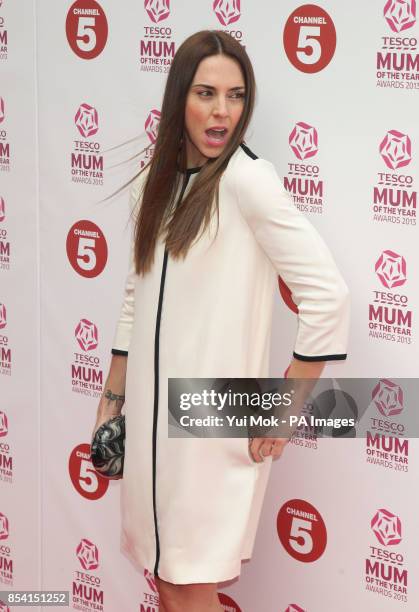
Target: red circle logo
86	27
87	250
301	530
83	475
228	603
309	38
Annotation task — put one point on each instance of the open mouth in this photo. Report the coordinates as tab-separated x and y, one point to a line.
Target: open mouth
216	134
216	137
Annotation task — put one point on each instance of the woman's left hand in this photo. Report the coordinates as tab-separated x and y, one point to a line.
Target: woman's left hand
260	448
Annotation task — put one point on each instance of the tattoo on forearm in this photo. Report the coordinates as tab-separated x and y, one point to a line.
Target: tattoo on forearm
113	396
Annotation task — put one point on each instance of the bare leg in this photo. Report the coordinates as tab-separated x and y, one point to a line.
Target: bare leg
200	597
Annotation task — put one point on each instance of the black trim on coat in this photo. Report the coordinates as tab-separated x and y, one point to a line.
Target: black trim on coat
156	378
119	352
191	170
319	357
156	403
248	151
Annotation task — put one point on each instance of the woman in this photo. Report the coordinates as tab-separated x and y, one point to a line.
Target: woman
214	227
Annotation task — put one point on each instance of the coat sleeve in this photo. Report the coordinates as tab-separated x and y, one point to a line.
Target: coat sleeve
302	259
122	334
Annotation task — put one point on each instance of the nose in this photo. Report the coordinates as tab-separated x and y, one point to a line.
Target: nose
220	107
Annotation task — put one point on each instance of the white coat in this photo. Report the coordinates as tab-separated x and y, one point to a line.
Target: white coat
190	506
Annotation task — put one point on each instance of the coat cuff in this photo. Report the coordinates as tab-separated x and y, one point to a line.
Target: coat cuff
122	336
340	356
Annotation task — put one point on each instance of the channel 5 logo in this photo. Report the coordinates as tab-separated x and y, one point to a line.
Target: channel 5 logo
86	28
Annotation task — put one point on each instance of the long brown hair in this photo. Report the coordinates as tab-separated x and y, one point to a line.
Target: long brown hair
162	182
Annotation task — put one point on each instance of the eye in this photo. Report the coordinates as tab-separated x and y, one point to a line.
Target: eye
236	96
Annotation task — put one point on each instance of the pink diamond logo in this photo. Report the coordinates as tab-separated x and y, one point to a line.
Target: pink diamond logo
294	608
87	554
3	318
4	527
150	580
3	424
391	269
387	527
152	125
388	397
86	335
2	209
400	14
227	11
157	10
2	111
303	140
87	120
3	607
396	149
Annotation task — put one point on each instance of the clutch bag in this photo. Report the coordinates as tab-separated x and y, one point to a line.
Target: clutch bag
107	448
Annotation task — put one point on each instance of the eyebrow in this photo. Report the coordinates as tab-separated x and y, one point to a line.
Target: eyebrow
211	87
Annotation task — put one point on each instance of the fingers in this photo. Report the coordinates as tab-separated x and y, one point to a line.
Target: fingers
259	449
263	447
103	416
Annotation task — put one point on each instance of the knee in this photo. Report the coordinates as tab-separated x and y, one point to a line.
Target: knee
175	597
172	596
171	593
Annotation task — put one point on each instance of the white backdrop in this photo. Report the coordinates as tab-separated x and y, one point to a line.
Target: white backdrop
336	113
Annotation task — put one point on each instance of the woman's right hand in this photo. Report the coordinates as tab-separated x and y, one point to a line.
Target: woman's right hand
113	397
102	416
110	405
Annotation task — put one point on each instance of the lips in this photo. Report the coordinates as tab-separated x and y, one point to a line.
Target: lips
216	132
216	136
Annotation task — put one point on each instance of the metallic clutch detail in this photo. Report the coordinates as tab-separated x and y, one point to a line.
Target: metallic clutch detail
108	447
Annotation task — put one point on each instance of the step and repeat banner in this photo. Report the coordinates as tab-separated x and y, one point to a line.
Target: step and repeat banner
80	94
20	469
